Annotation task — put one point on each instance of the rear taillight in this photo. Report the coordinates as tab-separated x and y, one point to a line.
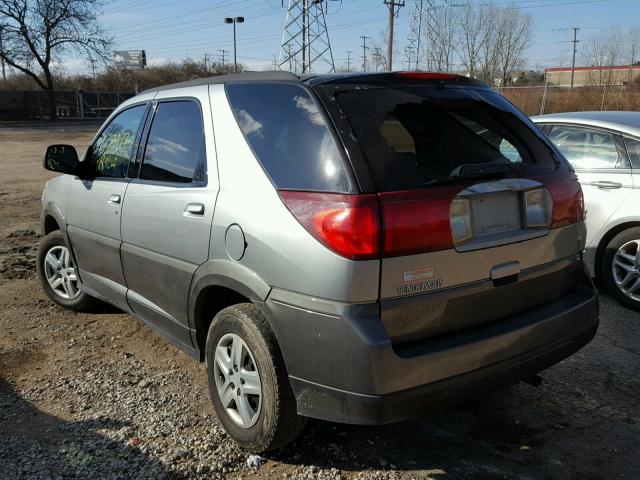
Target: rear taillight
391	224
568	202
347	224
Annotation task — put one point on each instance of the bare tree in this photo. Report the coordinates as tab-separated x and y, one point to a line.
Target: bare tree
602	51
37	33
489	41
513	35
474	34
633	40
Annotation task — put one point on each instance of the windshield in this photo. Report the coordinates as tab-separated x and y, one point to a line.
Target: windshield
417	136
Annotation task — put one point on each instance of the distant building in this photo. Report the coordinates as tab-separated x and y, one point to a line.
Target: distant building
613	75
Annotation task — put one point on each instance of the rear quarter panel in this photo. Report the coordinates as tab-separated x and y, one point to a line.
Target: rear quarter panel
278	249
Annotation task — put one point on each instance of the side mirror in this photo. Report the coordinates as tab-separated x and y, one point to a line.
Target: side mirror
61	158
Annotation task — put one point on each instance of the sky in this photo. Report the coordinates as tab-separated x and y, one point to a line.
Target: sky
171	30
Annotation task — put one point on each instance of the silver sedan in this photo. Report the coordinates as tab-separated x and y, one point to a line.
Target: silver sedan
604	149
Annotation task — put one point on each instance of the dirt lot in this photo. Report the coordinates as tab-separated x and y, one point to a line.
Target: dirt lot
101	396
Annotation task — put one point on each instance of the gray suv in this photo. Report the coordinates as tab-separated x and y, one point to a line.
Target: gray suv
354	248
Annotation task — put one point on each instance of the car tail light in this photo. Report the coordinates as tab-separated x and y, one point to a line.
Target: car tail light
538	208
416	221
568	202
347	224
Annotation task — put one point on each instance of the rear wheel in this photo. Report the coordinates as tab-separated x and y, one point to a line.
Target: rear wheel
58	274
248	381
621	268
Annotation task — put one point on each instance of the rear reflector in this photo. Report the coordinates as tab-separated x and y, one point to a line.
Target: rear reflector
417	221
347	224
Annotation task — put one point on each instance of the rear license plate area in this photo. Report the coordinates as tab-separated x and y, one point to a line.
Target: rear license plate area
495	214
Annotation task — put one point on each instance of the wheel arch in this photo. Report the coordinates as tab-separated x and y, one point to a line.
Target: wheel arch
606	238
218	284
52	219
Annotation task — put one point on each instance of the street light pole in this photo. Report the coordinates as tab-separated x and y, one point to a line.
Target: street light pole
234	20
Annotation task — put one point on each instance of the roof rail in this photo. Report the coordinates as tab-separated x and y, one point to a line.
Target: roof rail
240	77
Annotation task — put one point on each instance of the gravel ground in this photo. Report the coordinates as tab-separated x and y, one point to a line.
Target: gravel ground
102	396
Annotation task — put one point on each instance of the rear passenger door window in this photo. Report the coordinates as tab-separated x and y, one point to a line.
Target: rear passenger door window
175	150
586	148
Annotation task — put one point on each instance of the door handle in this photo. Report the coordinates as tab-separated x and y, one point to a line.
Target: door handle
114	199
604	184
194	209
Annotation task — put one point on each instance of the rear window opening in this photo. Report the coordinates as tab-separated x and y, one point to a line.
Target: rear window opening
414	136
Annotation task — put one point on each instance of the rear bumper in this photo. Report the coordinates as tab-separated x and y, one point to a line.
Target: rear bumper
344	368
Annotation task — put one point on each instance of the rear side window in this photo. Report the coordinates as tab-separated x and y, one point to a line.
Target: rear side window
586	148
175	149
633	149
288	132
415	135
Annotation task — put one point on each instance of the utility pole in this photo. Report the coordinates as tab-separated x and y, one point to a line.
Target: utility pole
222	56
291	59
95	83
575	49
275	62
392	4
4	73
206	63
364	51
349	52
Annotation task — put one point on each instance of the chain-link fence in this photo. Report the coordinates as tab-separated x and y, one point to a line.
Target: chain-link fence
26	105
551	99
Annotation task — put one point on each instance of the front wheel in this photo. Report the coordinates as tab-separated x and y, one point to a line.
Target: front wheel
58	274
248	381
621	268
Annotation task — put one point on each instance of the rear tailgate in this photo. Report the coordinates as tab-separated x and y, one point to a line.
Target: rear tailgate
480	217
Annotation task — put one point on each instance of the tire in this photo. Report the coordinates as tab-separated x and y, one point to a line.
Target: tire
55	244
274	422
623	249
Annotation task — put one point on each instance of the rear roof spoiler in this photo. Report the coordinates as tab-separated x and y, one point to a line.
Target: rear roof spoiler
393	78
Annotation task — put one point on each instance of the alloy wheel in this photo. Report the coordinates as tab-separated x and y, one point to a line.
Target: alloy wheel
60	272
626	269
238	380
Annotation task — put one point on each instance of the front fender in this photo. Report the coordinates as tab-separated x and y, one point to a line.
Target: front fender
51	209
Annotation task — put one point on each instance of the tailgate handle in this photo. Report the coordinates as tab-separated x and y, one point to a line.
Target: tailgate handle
505	270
